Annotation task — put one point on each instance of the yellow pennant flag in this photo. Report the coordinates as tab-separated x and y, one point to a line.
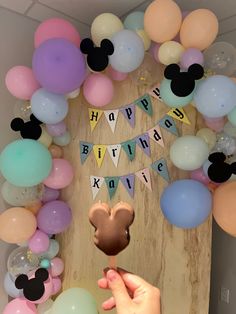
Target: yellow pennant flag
94	117
99	153
179	114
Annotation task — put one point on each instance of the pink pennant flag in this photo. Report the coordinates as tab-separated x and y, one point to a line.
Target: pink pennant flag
156	135
144	176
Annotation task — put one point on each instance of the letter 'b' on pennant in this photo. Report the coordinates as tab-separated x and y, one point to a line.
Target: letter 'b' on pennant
160	166
179	114
96	184
112	184
144	176
99	153
85	149
145	103
94	117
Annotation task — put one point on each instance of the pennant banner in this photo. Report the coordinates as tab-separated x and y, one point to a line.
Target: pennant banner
96	184
160	166
111	116
112	184
145	104
85	149
155	92
145	177
129	182
114	152
94	117
179	114
129	114
99	153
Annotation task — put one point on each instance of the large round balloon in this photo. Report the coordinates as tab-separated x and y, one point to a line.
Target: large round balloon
25	163
162	20
48	107
186	203
17	225
215	97
20	306
75	301
221	58
134	21
56	28
59	66
105	26
21	82
129	51
189	152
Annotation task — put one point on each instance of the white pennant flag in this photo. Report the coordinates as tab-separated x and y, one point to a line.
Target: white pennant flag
111	116
96	184
114	152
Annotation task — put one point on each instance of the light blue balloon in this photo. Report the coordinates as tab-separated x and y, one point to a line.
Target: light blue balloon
25	163
215	97
48	107
232	117
134	21
129	51
62	140
170	99
10	288
186	203
52	251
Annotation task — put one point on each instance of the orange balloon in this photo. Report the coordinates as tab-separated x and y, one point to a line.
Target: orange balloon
17	225
224	207
34	207
56	151
199	29
162	20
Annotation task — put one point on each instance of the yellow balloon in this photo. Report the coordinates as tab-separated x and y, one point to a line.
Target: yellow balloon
105	26
208	136
45	138
170	52
146	40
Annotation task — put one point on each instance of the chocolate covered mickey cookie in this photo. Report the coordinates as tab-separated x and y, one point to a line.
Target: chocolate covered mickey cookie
111	226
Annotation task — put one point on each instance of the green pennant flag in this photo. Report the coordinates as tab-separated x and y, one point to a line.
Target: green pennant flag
112	184
129	147
145	103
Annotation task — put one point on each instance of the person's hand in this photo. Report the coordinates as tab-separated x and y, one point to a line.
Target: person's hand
131	294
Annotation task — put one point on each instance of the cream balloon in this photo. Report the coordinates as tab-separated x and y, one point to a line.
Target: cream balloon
170	52
146	40
73	94
46	307
189	152
105	26
45	138
208	135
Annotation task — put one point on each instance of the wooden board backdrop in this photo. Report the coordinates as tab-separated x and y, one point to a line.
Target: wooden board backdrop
176	261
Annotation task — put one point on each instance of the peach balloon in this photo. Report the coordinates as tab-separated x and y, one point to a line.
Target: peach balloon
162	20
199	29
224	207
56	151
17	225
34	207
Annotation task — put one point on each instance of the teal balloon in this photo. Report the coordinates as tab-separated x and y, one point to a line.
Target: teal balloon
134	21
25	163
170	99
75	301
62	140
232	117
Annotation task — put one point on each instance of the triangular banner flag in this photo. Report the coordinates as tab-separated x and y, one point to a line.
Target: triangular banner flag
112	184
145	103
99	153
179	114
94	117
155	92
129	182
111	116
160	166
96	184
129	147
85	149
129	114
144	143
156	135
144	176
168	124
114	152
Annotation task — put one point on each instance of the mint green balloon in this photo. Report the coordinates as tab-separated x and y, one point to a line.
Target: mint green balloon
25	163
134	21
232	116
170	99
75	301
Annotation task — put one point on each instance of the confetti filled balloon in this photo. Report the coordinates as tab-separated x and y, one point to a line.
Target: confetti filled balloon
225	144
22	109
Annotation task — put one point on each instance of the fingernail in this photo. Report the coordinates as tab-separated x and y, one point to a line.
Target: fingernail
111	275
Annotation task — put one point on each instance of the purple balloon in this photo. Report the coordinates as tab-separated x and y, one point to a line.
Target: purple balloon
54	217
57	129
50	195
191	56
59	66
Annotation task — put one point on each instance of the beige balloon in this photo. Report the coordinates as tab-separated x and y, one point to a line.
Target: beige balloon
170	52
45	138
146	40
45	308
208	135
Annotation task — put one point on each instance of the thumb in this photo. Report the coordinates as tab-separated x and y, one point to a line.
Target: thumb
118	290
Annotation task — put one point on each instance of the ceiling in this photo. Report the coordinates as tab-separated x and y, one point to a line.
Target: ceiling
82	12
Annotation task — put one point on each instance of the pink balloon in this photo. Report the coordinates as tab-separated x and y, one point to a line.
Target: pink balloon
116	75
57	266
61	174
56	285
48	286
216	124
21	83
39	243
56	28
20	306
98	90
200	176
57	129
154	51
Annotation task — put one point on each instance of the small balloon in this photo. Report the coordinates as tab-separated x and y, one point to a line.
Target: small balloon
225	144
20	306
45	263
57	266
45	138
22	109
56	285
56	151
215	124
170	52
191	56
52	251
200	176
50	194
230	129
208	135
10	288
57	129
134	21
62	140
46	307
116	75
73	94
34	207
146	40
39	242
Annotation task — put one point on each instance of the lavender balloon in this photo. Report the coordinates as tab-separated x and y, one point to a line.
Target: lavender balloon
57	129
191	56
59	66
54	217
50	195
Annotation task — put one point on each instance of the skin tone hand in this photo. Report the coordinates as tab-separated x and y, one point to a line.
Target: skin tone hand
131	294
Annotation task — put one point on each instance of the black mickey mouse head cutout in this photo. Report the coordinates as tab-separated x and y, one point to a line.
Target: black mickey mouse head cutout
30	129
33	289
183	83
97	57
219	171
